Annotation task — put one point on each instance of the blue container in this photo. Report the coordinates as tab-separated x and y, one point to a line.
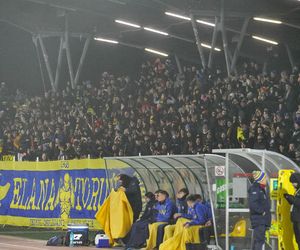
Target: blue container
102	241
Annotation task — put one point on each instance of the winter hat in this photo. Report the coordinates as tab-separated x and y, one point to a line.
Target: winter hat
258	175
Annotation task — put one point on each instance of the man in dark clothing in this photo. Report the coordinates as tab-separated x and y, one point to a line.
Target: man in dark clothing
259	204
140	228
133	193
294	200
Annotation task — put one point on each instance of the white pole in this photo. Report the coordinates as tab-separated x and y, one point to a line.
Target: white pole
263	161
211	202
227	199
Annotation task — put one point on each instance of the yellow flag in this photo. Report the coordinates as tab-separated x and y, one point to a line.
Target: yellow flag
240	134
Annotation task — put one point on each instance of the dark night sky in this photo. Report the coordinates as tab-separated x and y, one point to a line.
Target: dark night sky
19	66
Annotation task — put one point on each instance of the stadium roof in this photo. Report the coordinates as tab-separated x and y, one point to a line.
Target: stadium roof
97	18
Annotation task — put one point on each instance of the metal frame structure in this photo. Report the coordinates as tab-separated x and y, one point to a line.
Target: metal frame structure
65	8
247	153
202	169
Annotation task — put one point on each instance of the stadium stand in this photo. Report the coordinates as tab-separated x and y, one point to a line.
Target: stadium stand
160	112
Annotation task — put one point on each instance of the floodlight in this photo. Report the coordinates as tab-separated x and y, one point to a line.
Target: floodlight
209	47
267	20
206	23
178	16
156	31
105	40
127	23
265	40
156	52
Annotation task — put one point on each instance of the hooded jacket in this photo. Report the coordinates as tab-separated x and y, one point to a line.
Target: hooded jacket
294	200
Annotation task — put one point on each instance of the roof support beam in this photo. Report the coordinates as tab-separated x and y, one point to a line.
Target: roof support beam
59	61
213	43
239	44
82	58
290	55
198	42
68	52
47	63
224	37
178	64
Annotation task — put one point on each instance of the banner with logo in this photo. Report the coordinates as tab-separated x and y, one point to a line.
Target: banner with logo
53	194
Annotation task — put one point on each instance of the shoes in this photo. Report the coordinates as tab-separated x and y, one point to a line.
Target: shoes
119	243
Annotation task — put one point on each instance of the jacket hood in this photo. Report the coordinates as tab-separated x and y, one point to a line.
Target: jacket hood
295	178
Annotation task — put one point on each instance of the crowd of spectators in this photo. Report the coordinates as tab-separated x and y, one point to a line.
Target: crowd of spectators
160	112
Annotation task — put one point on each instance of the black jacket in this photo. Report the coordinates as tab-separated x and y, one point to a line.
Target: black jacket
181	206
149	212
294	200
133	193
259	204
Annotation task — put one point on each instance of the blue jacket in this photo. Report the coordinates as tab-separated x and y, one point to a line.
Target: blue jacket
197	214
165	211
209	212
259	204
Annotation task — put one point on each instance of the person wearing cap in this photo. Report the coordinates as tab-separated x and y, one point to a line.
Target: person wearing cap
259	204
294	200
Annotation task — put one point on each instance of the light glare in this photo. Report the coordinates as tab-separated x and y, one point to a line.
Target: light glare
156	31
105	40
267	20
128	24
206	23
156	52
178	16
265	40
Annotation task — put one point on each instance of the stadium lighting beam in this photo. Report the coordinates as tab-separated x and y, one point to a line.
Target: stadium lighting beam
265	40
105	40
156	31
209	47
156	52
206	23
261	19
178	16
127	23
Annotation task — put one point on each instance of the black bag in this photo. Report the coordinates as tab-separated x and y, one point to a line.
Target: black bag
195	246
55	241
81	238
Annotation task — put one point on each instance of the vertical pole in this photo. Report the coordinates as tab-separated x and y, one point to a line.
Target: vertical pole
227	200
81	61
198	43
224	37
211	201
178	64
34	39
263	162
68	52
265	67
47	63
239	44
291	58
213	43
59	61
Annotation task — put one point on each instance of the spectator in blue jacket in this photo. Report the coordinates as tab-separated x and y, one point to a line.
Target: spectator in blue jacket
165	207
259	204
165	211
197	212
181	204
181	207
